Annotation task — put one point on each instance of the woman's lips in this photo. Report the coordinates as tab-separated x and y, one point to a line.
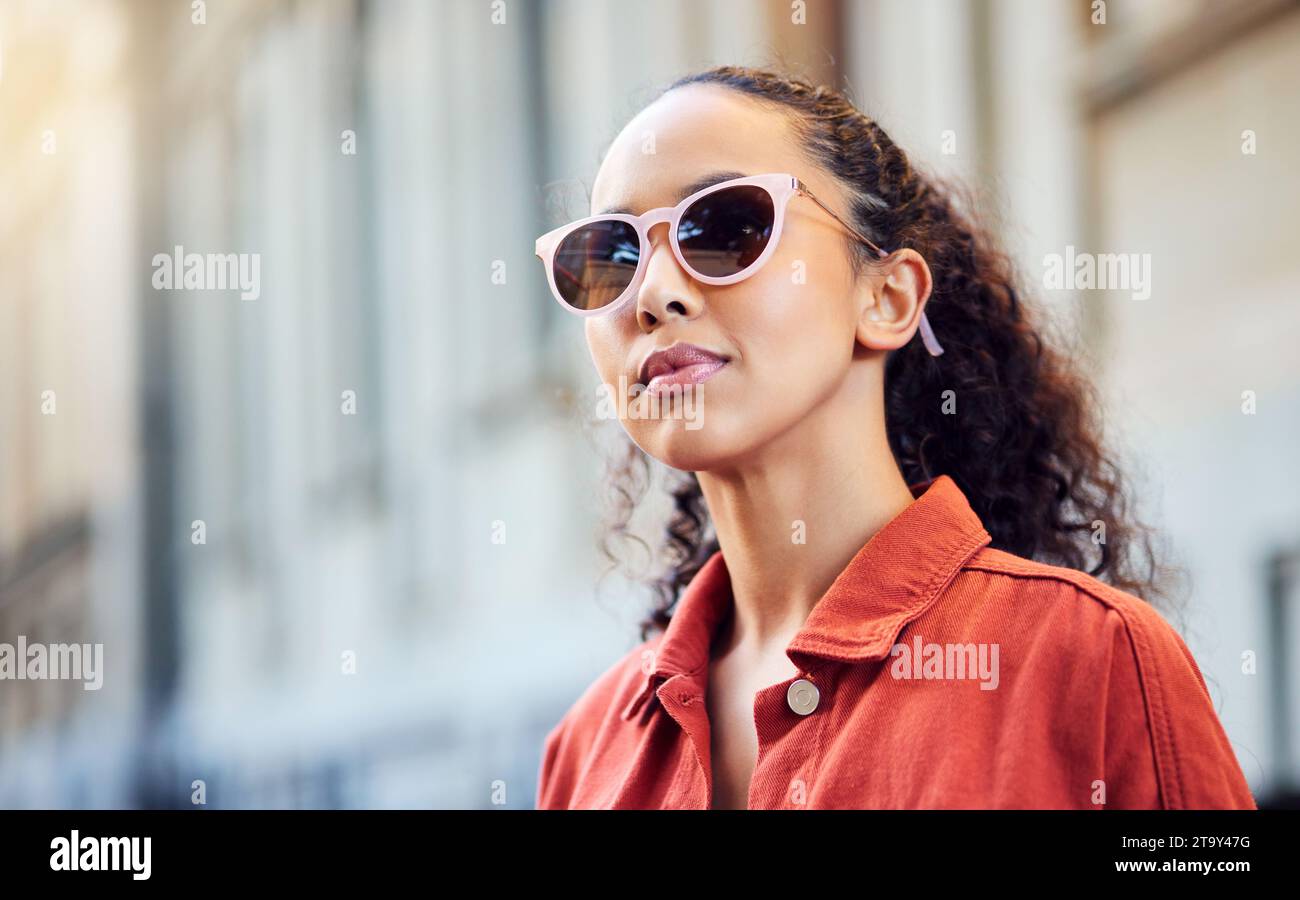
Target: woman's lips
692	374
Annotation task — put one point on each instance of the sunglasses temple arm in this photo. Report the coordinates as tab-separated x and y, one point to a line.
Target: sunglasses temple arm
834	215
928	338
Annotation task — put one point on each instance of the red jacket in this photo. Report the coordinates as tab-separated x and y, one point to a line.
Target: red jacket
936	672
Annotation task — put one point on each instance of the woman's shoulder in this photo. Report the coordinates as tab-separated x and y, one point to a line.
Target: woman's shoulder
1059	593
597	708
619	682
1071	614
1103	648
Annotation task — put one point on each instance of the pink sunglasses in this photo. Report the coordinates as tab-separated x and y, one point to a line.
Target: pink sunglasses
720	235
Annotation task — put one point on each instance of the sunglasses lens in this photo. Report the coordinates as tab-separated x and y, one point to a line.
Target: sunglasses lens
595	263
725	232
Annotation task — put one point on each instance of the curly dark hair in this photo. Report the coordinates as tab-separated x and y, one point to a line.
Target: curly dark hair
1026	449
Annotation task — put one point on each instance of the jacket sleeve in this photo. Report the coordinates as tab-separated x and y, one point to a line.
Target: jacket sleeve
1165	747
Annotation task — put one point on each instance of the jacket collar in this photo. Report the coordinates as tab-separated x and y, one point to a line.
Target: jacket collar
896	575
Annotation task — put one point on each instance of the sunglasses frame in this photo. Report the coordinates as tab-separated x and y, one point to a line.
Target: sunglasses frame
779	186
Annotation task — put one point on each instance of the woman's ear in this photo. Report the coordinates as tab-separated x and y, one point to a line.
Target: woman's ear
892	300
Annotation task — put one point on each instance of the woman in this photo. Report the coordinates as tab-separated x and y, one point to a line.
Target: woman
901	572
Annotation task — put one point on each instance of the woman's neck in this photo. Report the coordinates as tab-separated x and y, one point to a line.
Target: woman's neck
789	521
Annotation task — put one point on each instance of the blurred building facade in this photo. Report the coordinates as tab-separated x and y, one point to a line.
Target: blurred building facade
394	595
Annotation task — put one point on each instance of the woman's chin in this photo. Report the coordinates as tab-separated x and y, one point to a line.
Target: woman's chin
684	445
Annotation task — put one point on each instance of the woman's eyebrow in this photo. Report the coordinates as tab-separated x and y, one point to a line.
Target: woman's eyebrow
698	184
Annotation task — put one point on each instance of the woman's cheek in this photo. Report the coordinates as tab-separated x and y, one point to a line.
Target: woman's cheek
790	373
605	354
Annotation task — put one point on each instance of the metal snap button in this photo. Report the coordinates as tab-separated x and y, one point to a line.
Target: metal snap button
802	695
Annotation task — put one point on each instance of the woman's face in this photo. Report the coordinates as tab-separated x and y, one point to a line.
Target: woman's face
787	333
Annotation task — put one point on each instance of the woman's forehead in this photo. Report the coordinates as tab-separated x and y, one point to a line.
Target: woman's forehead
682	138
